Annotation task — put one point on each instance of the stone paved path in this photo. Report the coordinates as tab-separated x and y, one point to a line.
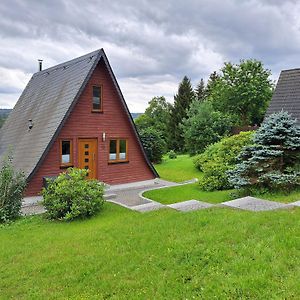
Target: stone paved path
130	196
254	204
190	205
297	203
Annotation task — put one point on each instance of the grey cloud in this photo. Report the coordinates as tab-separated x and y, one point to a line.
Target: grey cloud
150	40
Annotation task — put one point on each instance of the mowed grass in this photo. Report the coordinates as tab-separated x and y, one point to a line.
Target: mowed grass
182	169
178	170
187	192
120	254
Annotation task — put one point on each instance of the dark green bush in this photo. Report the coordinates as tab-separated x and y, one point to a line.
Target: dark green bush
71	195
153	143
219	158
172	154
12	185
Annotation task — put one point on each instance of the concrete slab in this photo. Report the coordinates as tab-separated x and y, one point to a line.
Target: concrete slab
254	204
28	201
190	205
148	207
32	210
297	203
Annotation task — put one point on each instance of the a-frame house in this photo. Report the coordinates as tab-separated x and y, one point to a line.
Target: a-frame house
74	114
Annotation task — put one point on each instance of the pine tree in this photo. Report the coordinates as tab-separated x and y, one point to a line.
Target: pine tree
212	80
272	162
200	90
182	101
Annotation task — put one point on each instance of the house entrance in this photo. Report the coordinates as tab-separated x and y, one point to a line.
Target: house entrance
87	156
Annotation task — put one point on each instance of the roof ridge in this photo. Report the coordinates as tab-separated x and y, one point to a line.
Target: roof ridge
69	63
287	70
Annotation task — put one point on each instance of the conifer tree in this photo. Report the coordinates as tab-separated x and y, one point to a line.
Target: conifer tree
200	90
212	81
272	162
182	101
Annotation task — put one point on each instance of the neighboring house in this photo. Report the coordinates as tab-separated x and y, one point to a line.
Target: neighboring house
74	114
287	94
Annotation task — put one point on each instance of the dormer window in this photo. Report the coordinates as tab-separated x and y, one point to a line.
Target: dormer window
97	98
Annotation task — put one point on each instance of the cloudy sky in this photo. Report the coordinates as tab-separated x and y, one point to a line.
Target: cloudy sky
151	44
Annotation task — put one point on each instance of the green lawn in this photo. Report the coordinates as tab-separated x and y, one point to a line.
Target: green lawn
119	254
178	170
182	169
187	192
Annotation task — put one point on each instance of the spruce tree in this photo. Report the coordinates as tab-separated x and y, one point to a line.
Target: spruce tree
273	160
182	101
200	90
212	80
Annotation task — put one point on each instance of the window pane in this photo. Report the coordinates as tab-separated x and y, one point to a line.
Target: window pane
113	150
122	149
97	97
66	152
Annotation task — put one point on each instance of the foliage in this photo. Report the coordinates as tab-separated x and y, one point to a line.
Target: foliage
219	158
172	154
71	196
153	144
200	90
211	83
244	90
182	102
272	162
204	126
12	185
157	116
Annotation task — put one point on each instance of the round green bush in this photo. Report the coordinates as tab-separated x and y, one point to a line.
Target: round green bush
71	195
172	154
218	158
153	144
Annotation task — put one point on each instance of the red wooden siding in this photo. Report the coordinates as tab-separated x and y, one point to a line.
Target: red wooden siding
82	123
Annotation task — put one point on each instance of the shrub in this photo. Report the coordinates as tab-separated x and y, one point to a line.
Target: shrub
273	161
12	185
172	154
71	196
153	143
204	126
219	158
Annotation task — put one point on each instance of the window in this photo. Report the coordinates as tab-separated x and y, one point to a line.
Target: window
97	99
118	150
66	155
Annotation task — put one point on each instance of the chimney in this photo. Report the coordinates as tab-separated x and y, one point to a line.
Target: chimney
40	64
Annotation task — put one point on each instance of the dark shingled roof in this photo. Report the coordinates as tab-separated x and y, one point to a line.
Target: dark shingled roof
48	99
287	94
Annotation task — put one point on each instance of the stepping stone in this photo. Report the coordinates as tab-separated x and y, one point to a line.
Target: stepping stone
254	204
148	206
297	203
190	205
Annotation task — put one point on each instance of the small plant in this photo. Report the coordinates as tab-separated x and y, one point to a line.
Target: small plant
12	185
172	154
71	196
